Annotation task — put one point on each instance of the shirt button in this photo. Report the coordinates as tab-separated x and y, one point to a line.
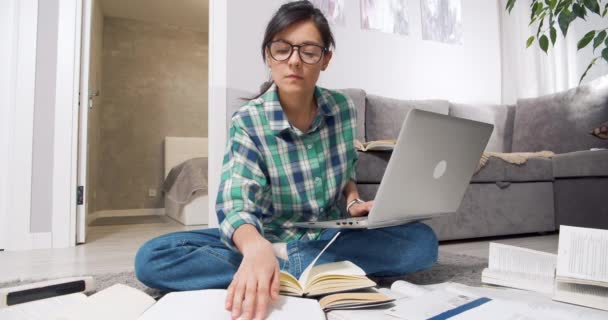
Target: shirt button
309	146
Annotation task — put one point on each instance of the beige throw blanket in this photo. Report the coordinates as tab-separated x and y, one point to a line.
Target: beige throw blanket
514	158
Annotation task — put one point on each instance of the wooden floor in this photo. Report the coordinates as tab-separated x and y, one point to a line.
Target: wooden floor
112	249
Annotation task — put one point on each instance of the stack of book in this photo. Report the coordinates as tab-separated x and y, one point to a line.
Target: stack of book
577	274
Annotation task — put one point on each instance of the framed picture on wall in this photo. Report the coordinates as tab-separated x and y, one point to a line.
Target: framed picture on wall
389	16
441	20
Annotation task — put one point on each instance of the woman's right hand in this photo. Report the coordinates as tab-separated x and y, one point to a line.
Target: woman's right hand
256	282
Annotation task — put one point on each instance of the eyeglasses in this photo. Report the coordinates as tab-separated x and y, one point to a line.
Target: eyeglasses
282	50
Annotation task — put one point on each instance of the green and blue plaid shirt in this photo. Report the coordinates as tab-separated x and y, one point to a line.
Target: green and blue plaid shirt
273	174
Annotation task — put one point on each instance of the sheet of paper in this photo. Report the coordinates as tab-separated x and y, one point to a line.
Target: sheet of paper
408	289
304	276
209	304
42	309
525	300
428	305
116	302
583	253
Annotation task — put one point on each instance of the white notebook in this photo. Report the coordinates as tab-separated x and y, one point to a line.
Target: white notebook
209	304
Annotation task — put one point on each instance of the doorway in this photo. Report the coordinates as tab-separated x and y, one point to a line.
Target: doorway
147	73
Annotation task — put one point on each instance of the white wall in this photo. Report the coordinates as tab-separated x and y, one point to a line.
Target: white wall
7	36
391	65
44	110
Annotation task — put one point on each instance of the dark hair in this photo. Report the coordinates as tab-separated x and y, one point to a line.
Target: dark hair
289	14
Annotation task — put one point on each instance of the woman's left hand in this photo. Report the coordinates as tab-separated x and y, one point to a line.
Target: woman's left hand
361	209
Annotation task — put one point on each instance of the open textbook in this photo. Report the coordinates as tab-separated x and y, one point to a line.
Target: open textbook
578	274
581	276
377	145
520	268
336	282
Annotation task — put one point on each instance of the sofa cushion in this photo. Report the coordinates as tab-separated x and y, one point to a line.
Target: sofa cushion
495	170
562	122
384	116
581	164
358	98
501	116
371	166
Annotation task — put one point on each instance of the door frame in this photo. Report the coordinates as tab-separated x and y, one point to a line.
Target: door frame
218	31
65	159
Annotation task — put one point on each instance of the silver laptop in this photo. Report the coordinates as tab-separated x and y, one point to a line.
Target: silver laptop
428	173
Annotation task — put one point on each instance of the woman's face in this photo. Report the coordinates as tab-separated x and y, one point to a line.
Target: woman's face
294	75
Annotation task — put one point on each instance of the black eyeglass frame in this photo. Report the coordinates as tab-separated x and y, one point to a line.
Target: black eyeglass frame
299	46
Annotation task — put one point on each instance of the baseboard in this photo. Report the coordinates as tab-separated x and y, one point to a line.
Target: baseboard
125	213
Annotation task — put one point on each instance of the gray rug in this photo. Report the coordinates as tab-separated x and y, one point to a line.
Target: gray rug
450	267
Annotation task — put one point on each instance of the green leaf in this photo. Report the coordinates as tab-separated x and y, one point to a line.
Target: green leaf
553	34
540	26
564	20
563	4
530	41
588	67
510	5
579	11
605	54
592	5
552	4
544	43
605	10
584	41
599	39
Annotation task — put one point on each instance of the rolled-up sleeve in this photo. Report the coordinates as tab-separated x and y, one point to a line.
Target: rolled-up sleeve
243	186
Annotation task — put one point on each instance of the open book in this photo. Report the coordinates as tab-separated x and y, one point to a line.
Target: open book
326	279
582	267
377	145
520	268
335	281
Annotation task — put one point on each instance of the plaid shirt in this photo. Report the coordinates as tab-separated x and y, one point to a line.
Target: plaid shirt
273	174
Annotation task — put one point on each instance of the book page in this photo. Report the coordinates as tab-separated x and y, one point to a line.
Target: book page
584	295
429	304
515	259
335	269
526	302
305	274
116	302
289	284
408	289
583	254
42	309
209	304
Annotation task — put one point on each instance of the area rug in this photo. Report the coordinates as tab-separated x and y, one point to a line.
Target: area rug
450	268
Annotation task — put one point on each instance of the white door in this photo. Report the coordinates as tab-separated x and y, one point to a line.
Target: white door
86	97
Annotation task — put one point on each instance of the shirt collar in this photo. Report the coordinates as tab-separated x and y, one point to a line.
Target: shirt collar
277	119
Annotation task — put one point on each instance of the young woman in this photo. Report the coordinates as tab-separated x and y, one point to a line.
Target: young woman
289	156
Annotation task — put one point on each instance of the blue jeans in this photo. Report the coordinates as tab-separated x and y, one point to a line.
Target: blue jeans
197	259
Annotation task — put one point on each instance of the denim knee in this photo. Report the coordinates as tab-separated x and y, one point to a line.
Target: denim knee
144	270
420	248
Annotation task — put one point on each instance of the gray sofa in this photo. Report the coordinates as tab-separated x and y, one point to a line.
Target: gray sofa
502	198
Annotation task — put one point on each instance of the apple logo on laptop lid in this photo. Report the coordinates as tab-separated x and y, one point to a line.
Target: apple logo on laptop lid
440	169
